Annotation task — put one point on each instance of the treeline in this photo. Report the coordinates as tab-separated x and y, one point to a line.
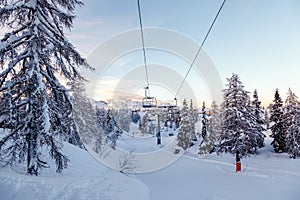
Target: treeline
239	123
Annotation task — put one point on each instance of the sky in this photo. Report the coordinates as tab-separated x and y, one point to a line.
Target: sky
258	40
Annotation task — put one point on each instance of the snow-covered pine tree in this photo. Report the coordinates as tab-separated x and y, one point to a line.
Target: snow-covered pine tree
93	131
239	125
267	118
193	120
259	122
78	100
84	112
110	129
32	54
215	122
122	118
277	128
108	123
144	123
293	136
204	122
183	137
291	124
289	110
213	130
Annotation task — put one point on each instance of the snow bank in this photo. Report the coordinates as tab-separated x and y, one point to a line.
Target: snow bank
85	178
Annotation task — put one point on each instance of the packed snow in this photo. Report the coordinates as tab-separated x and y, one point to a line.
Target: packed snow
264	176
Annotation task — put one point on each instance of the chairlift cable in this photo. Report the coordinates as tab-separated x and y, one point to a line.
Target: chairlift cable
143	46
199	50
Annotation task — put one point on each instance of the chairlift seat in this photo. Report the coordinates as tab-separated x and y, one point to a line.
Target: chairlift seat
149	102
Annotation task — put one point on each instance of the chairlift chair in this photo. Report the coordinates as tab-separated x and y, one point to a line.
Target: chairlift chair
148	102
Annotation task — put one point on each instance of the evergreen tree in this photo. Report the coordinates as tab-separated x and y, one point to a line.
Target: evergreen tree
84	112
239	132
290	110
38	106
123	119
204	122
206	144
267	118
144	125
293	137
213	130
215	122
259	122
277	128
291	124
193	120
108	124
183	138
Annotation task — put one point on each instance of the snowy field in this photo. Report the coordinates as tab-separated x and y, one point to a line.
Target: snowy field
85	178
264	176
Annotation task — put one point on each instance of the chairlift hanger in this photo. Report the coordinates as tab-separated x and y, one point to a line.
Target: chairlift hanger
148	101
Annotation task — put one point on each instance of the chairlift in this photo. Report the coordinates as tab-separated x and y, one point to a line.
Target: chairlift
148	102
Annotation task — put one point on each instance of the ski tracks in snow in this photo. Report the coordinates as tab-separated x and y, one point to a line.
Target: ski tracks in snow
247	171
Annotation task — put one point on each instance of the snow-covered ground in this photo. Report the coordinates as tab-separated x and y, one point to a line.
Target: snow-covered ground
85	178
147	156
264	176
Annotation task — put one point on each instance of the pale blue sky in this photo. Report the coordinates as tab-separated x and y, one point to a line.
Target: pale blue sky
259	40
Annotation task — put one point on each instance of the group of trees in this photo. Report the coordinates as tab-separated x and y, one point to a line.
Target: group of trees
211	128
113	122
242	126
186	132
286	124
239	124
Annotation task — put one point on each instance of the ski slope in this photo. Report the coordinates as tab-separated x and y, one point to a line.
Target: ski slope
263	176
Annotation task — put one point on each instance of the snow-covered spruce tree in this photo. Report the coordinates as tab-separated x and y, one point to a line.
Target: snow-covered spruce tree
32	54
239	124
259	121
289	110
215	122
123	119
293	136
108	124
204	122
206	145
84	112
93	129
147	125
183	137
277	128
144	123
213	130
193	119
267	118
291	124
